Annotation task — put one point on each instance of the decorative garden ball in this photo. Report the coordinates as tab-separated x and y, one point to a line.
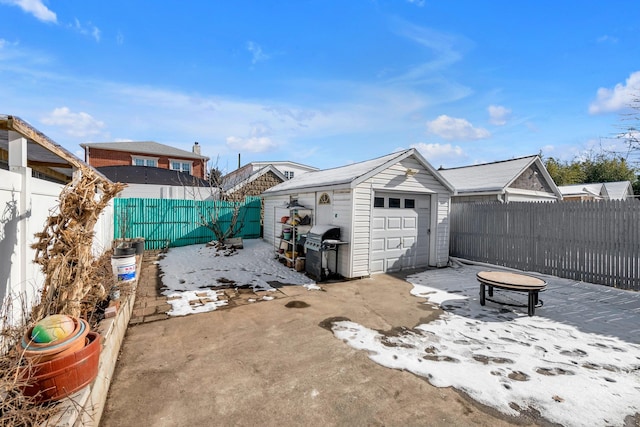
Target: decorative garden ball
52	328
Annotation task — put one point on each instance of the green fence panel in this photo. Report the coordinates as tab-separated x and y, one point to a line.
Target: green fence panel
174	222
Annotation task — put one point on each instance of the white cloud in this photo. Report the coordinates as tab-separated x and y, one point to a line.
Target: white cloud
437	154
75	124
120	38
88	30
498	115
258	141
255	144
35	8
256	51
418	3
618	98
451	128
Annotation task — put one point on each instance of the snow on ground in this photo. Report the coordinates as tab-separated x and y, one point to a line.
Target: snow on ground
191	275
504	359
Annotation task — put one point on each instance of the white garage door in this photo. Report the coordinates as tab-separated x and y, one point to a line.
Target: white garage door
400	234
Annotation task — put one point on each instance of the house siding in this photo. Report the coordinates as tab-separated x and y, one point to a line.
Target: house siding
255	187
442	231
342	214
532	179
270	216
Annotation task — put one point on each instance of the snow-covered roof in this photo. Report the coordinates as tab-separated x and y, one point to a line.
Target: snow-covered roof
488	176
350	175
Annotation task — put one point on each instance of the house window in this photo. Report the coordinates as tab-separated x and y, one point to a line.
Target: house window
180	166
409	203
151	162
378	202
324	199
394	202
288	174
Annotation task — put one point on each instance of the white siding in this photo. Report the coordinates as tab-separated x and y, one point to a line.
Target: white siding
360	247
270	220
442	233
342	208
153	191
394	179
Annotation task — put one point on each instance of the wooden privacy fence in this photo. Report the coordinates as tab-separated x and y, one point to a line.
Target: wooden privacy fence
596	242
175	222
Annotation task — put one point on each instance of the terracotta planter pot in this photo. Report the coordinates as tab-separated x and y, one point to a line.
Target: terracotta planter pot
60	377
41	352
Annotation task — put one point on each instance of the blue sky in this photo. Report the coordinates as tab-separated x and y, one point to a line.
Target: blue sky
325	82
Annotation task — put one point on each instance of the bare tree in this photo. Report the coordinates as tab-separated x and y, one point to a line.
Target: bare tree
630	131
219	202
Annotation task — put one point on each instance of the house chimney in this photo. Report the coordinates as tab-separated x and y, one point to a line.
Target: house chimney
238	160
196	148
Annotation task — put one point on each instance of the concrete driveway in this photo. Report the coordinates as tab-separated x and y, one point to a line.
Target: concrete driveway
276	363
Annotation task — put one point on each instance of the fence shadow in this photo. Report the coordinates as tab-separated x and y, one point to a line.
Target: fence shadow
9	241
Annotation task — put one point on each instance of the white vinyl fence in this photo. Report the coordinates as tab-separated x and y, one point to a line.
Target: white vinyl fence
596	242
25	204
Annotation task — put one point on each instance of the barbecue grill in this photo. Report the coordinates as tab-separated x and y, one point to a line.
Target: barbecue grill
321	240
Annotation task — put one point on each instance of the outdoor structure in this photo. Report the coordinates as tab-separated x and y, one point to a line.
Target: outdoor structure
620	190
157	183
524	179
393	212
288	169
33	171
146	153
249	181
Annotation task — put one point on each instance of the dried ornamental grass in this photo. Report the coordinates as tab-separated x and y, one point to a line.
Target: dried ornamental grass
64	249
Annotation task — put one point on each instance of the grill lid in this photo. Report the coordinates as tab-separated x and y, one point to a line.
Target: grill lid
322	229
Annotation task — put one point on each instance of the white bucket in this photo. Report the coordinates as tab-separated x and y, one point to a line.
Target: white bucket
124	268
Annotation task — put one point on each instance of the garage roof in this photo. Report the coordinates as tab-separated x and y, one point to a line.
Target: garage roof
351	175
487	177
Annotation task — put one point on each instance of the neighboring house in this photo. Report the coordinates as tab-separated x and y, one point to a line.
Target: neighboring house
249	181
620	190
146	153
524	179
288	169
33	172
156	183
392	211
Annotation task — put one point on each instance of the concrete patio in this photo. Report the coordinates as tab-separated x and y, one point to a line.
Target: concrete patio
278	363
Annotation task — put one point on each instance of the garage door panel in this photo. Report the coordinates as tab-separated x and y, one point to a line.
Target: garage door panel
394	223
393	243
378	223
377	266
377	245
408	242
393	264
409	223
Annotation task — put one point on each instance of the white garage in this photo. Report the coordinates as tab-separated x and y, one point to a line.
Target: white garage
393	212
